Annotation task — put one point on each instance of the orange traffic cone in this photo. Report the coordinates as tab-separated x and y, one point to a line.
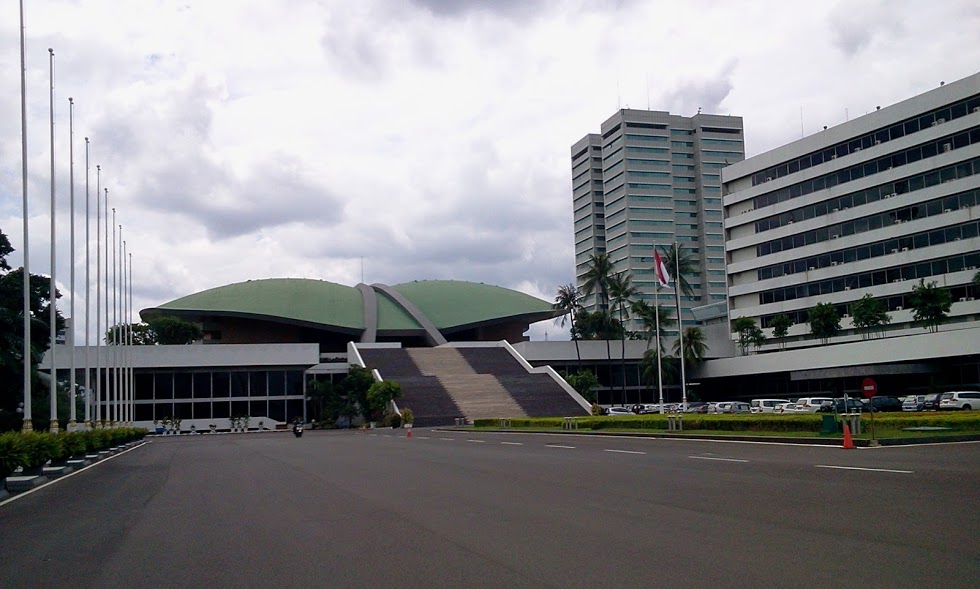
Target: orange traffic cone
848	442
408	433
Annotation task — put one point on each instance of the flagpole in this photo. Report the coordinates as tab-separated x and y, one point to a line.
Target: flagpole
88	304
114	390
98	296
26	339
53	289
656	312
132	370
680	321
124	363
71	196
105	211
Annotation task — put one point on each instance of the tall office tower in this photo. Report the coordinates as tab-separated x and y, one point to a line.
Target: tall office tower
650	179
867	207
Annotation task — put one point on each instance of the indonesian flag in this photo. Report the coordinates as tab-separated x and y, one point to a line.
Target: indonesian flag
663	277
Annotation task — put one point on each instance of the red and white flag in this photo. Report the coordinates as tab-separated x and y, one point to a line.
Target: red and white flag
663	277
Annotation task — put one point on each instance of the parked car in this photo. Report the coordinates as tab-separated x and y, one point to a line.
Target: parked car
766	405
811	404
965	400
883	403
784	408
837	406
913	403
696	407
618	411
731	407
931	402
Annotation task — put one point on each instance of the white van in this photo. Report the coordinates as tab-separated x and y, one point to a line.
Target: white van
766	405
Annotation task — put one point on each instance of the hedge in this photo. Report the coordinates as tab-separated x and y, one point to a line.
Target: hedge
33	450
968	421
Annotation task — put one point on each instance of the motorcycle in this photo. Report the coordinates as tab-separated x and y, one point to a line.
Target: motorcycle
298	430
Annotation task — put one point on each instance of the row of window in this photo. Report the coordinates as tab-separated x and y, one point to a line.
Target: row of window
907	127
206	385
908	156
874	194
282	410
930	208
874	250
874	278
892	303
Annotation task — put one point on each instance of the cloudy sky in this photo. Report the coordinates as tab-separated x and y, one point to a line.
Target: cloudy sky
428	138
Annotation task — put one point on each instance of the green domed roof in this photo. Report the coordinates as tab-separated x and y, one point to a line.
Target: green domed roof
448	304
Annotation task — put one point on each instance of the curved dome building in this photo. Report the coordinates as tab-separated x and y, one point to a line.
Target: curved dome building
420	313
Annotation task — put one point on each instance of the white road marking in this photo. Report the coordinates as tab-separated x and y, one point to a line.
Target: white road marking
512	443
560	446
718	459
423	437
477	441
69	475
448	439
865	469
624	451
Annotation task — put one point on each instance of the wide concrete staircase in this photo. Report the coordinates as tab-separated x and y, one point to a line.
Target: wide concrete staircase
444	383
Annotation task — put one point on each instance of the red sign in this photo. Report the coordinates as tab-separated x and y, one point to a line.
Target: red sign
869	388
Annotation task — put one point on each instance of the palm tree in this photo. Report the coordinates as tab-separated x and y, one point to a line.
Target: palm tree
647	314
596	279
694	346
622	290
668	369
682	265
567	300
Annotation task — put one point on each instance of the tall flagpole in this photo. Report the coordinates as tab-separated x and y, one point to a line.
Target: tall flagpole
656	312
108	393
52	306
98	296
71	196
117	329
27	423
114	390
680	321
132	368
88	305
125	334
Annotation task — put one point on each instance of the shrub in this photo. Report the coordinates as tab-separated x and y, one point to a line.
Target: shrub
407	415
13	453
393	420
40	449
73	442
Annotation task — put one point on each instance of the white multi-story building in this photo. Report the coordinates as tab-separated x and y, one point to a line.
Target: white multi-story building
871	206
650	179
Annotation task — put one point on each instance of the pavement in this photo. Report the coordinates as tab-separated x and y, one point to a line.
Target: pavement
479	509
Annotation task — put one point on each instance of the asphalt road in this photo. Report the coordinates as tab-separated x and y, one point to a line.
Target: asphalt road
472	510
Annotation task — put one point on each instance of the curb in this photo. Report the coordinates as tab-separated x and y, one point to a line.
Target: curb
862	443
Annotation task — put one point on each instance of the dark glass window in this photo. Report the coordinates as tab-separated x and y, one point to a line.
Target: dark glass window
182	385
202	385
258	384
163	385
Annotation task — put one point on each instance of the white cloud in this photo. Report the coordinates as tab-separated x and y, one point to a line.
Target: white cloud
429	137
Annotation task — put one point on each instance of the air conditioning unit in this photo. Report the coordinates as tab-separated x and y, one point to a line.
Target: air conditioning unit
934	123
969	298
790	222
858	148
896	221
846	316
811	268
971	268
940	121
833	210
768	178
894	250
847	288
956	239
962	299
877	141
833	157
905	249
834	236
947	210
896	280
976	109
833	263
947	147
893	195
899	308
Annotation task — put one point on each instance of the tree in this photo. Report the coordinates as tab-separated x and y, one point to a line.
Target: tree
647	314
354	388
824	321
596	279
758	338
621	290
683	265
745	327
12	338
597	325
174	331
780	327
141	333
567	300
694	347
869	315
379	395
930	304
668	367
585	383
